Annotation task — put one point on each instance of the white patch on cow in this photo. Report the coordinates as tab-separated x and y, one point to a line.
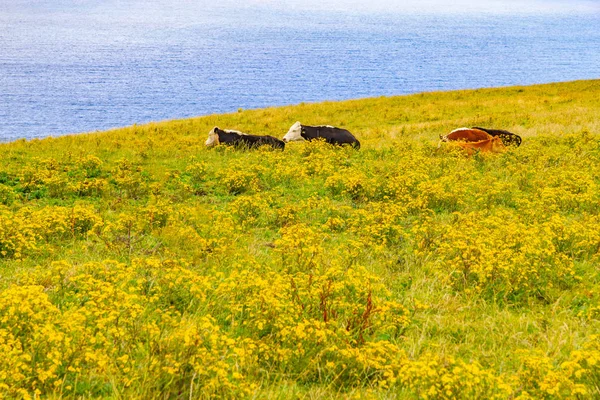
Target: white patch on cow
294	134
234	131
460	129
213	138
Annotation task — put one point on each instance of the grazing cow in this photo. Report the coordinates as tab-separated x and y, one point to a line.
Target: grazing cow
508	138
225	136
465	135
492	145
329	133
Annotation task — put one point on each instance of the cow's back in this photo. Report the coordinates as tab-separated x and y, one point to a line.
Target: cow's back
332	135
256	141
508	138
272	141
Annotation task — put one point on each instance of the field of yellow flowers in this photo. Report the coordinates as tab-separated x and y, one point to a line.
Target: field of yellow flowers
137	264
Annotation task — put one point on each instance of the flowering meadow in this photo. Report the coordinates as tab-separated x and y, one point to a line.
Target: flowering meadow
138	264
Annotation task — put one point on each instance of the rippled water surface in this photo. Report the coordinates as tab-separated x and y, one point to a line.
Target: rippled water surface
73	66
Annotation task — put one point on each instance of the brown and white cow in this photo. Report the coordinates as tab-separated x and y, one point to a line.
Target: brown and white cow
465	135
473	140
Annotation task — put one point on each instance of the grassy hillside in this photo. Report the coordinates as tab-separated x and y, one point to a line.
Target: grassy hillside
135	263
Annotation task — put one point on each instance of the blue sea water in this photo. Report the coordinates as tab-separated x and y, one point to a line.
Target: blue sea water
70	66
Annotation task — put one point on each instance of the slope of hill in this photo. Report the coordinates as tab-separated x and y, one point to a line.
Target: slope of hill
135	263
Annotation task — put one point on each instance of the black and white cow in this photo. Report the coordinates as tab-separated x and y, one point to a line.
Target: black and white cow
329	133
236	138
508	138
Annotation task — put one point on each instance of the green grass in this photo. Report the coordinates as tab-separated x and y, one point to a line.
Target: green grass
401	270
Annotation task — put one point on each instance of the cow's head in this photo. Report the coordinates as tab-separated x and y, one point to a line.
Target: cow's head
295	133
213	138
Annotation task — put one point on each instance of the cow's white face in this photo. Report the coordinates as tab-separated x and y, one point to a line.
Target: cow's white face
295	133
213	138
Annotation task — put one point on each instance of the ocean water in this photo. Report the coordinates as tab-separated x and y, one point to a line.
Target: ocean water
70	66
